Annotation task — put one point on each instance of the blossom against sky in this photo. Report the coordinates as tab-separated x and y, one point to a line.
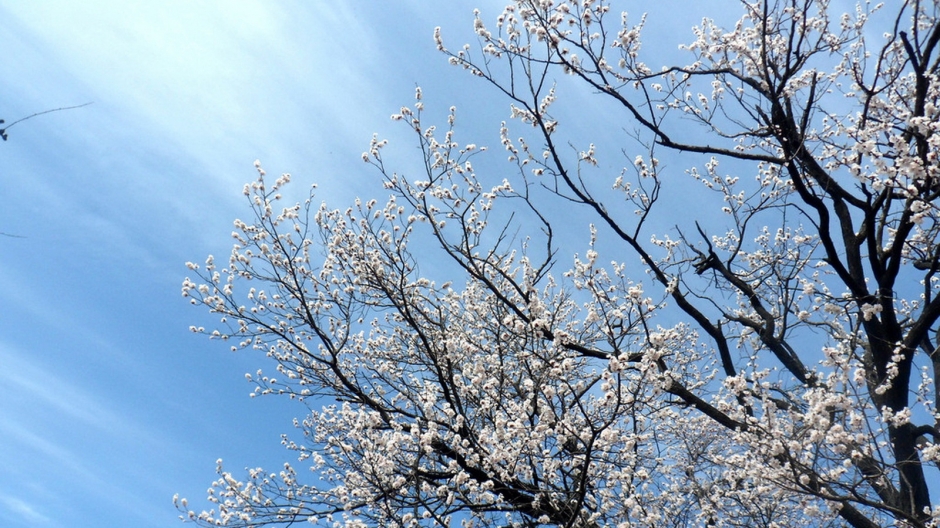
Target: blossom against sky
109	406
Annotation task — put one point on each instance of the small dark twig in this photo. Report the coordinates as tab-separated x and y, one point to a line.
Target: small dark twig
3	131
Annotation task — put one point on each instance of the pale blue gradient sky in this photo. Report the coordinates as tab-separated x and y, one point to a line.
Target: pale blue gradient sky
108	406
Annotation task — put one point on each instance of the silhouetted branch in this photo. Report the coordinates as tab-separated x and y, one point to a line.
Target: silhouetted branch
3	131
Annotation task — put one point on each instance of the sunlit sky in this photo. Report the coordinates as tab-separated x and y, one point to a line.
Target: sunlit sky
108	405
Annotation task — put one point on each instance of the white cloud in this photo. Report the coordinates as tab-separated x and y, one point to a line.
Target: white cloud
23	510
43	388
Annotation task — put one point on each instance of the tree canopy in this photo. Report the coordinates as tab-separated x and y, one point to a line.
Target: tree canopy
767	357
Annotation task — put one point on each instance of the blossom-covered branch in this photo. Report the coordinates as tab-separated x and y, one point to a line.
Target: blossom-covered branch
768	359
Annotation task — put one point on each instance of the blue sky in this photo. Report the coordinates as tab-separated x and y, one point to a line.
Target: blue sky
108	405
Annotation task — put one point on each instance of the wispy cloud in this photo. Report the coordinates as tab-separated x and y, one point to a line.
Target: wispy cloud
23	510
43	387
92	462
102	409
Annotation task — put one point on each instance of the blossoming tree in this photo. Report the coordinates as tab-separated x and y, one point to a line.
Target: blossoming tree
766	361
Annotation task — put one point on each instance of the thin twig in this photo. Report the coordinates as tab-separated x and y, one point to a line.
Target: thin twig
3	131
